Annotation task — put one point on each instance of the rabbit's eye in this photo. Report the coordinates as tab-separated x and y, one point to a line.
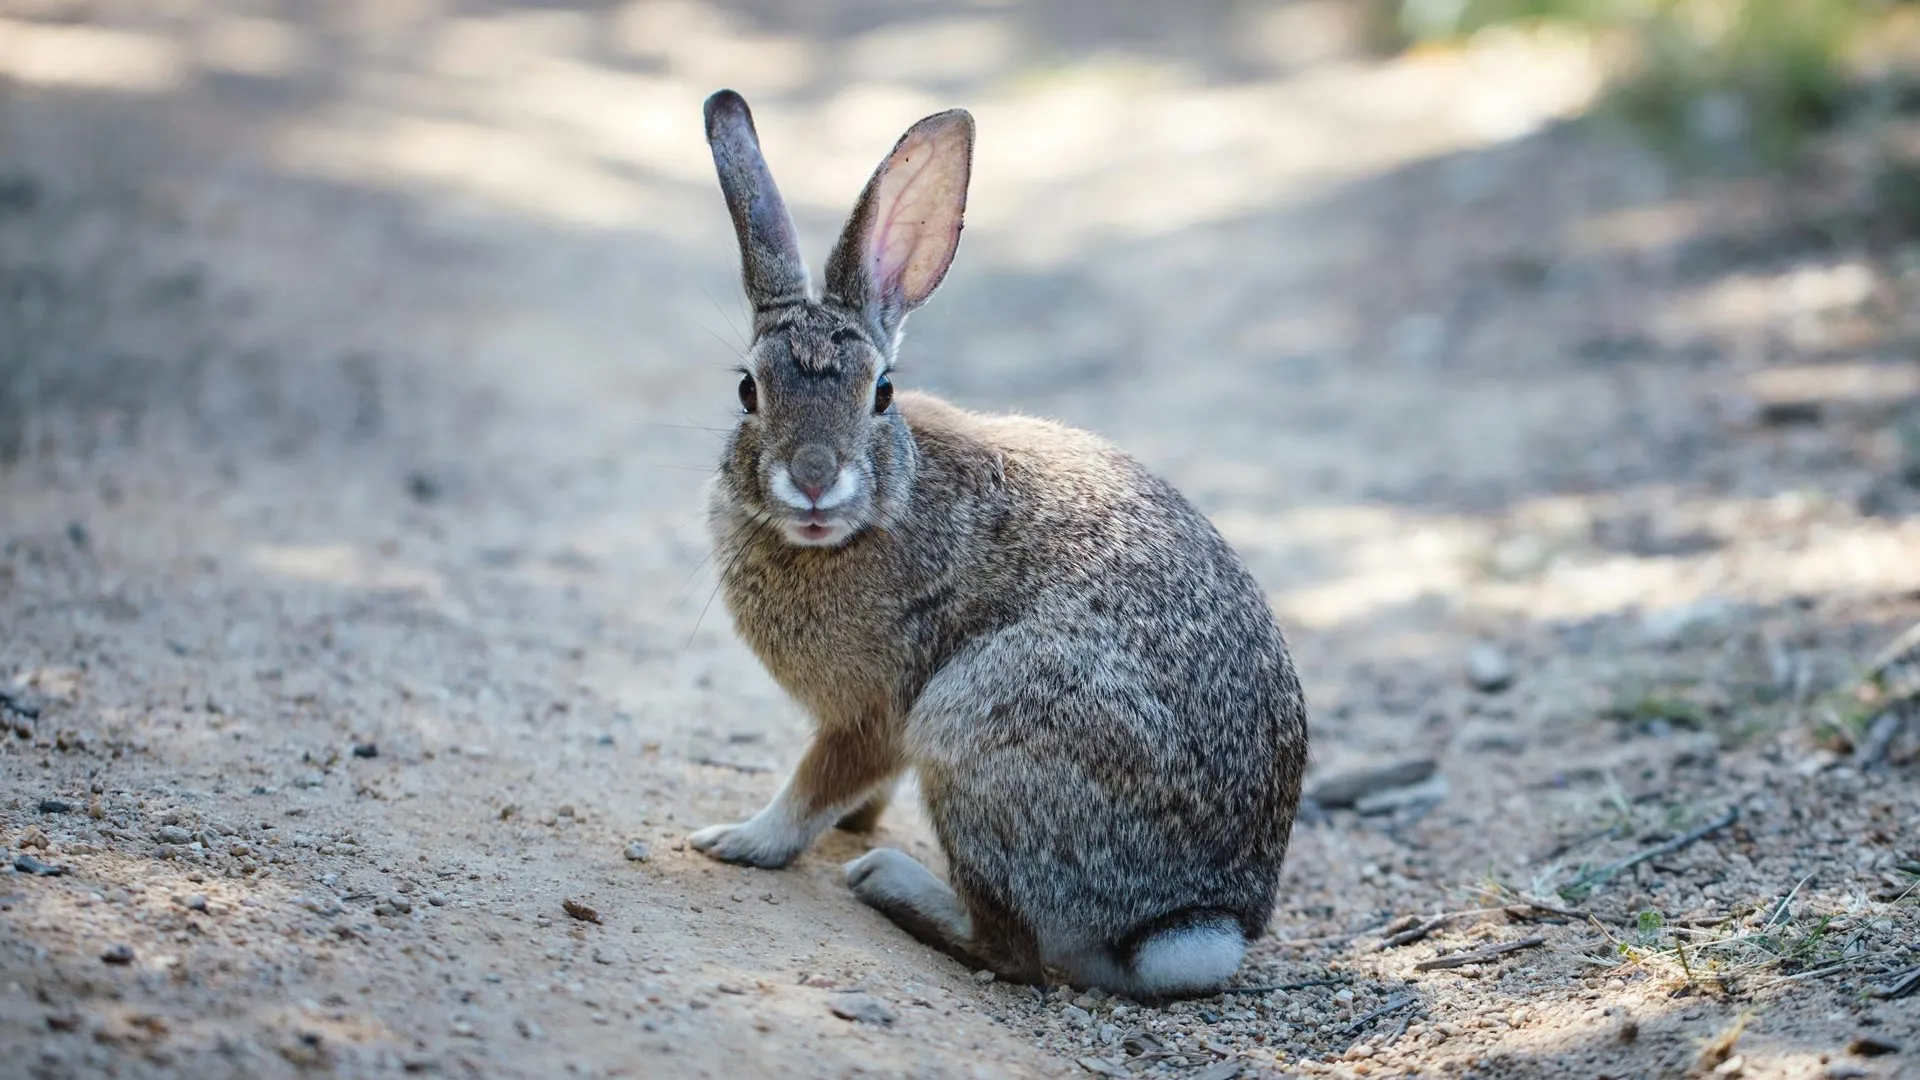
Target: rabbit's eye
882	395
749	394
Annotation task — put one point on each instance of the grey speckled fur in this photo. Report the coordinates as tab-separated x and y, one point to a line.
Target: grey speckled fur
1092	689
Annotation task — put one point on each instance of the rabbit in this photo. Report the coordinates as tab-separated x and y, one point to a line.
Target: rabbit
1105	722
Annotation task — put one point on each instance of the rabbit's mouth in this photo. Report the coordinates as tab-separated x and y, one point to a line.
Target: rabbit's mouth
817	529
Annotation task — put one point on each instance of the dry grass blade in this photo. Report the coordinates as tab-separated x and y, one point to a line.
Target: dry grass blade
1902	650
1814	973
1719	1050
1478	956
1786	902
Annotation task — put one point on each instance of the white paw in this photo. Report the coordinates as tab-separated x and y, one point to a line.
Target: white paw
887	877
757	842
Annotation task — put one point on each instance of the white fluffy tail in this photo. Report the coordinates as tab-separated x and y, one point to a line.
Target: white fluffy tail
1189	960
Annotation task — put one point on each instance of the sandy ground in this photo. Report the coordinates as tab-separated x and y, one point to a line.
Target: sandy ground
361	363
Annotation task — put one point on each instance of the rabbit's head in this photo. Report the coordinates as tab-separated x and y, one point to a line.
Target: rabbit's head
820	452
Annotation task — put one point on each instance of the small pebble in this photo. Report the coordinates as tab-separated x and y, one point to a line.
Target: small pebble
366	750
174	834
983	976
193	902
55	806
118	955
580	910
1871	1046
862	1009
27	864
638	852
319	905
1488	668
437	899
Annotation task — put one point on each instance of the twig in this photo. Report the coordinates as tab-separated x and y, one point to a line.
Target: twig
1272	987
734	765
1394	1004
1572	913
1421	929
1478	956
1545	906
1605	873
1399	1029
1897	987
1413	933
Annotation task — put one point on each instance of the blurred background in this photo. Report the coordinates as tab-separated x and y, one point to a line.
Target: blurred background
361	363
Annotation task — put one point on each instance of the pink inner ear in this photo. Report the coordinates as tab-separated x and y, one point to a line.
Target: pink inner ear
922	198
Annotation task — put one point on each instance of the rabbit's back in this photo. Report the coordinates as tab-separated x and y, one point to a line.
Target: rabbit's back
1126	738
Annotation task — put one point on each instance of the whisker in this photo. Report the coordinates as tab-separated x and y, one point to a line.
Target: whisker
736	350
718	310
759	528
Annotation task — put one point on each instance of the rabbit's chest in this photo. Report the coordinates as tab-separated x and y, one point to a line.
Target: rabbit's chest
831	648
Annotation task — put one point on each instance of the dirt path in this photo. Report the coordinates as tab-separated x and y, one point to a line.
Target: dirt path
361	374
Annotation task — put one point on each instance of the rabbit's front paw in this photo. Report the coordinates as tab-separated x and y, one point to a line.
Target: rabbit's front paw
757	842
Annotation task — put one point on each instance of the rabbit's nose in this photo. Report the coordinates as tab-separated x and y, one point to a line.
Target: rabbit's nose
813	468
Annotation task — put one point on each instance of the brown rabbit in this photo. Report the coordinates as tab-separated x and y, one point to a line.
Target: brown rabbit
1105	723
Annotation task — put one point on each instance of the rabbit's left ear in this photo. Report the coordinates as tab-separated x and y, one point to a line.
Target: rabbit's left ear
906	227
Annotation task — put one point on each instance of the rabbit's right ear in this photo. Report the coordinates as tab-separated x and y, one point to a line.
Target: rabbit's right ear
906	227
774	273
